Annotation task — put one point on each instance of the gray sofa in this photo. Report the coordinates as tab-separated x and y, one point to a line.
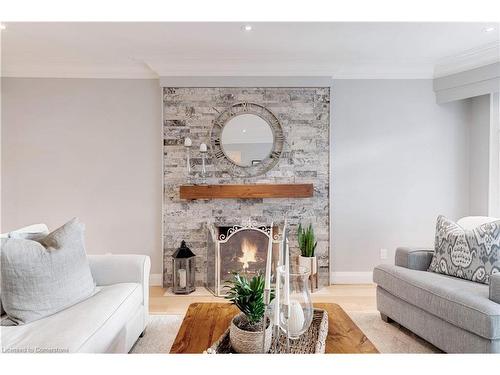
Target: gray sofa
455	315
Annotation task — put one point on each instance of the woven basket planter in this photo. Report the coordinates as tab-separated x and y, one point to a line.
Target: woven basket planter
246	341
311	342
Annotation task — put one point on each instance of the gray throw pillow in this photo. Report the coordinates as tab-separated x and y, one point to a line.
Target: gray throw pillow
469	254
40	278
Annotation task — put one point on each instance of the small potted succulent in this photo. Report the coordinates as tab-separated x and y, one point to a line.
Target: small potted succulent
245	332
307	245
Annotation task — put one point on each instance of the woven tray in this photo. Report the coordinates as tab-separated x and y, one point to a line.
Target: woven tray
310	342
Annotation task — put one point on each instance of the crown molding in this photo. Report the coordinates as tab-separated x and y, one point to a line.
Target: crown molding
145	68
467	60
63	70
246	81
242	68
142	69
467	84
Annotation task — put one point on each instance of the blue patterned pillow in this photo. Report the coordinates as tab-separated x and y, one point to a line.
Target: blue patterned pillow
469	254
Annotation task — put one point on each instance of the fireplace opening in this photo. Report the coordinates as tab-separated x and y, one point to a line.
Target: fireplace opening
237	249
249	250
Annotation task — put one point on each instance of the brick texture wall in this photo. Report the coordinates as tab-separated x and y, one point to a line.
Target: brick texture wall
304	114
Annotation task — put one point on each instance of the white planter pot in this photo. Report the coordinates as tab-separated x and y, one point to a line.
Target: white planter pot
309	263
248	342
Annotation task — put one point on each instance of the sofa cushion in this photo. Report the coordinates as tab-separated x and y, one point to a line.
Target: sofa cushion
41	278
89	326
459	302
469	254
31	232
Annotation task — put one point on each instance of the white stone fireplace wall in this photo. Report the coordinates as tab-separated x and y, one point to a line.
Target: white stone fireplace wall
304	114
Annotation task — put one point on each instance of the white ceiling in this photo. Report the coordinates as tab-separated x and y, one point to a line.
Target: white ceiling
341	50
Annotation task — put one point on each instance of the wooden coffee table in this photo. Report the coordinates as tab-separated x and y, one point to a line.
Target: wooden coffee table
204	323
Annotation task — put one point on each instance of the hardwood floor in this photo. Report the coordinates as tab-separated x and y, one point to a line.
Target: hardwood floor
349	297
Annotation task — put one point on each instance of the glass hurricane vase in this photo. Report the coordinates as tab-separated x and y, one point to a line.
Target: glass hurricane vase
295	306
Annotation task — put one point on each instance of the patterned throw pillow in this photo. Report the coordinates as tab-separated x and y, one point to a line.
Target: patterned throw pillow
469	254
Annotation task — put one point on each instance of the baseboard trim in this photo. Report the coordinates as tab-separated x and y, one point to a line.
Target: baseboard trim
155	279
352	277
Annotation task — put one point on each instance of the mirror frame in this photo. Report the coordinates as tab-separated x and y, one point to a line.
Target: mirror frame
225	163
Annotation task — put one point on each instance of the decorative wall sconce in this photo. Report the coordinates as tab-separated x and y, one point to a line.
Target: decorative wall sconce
203	151
188	143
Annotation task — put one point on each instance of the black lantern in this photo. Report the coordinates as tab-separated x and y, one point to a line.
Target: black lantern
183	280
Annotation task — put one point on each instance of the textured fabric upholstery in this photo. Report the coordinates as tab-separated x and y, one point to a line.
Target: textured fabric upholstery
468	254
41	278
112	269
495	288
109	321
471	222
415	258
460	302
456	315
446	336
31	232
94	325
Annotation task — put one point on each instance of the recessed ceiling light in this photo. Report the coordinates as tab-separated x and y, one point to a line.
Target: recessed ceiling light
247	27
244	130
489	29
2	26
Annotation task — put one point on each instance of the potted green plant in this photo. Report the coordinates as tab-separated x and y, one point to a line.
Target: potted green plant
245	332
307	244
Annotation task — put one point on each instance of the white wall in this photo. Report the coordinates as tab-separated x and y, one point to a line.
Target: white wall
479	151
89	148
399	160
494	142
92	148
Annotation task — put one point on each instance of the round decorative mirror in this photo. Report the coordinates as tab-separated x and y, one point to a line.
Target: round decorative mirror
247	139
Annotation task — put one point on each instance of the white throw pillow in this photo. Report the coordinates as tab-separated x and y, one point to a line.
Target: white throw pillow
40	278
31	232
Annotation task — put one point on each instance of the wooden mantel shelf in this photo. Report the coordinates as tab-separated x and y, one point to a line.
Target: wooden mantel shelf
251	191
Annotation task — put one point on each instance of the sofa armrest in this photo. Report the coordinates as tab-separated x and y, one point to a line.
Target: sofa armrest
415	258
114	269
495	287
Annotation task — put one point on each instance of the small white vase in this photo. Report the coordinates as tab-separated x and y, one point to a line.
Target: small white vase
306	262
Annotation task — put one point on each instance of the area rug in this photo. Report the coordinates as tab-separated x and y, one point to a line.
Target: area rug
388	338
159	336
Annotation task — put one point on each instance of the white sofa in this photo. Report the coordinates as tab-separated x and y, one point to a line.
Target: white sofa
110	321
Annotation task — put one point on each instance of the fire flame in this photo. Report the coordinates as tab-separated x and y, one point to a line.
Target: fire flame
249	250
